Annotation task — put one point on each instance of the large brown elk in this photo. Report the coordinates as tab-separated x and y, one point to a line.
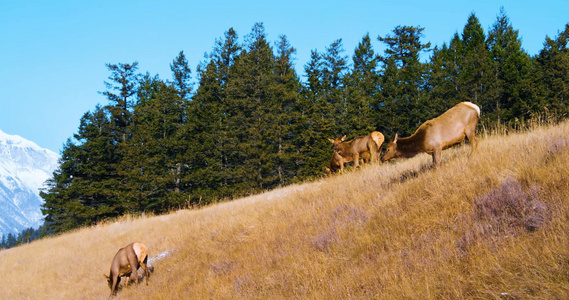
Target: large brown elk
126	263
356	148
437	134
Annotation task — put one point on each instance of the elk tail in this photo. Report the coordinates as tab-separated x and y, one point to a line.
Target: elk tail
377	137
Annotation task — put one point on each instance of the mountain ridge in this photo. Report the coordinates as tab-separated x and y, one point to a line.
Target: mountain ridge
24	168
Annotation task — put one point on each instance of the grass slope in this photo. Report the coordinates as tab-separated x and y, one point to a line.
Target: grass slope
490	226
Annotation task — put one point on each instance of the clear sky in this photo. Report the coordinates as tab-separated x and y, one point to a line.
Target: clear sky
53	53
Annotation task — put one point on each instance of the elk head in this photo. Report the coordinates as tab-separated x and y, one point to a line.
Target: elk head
391	151
337	142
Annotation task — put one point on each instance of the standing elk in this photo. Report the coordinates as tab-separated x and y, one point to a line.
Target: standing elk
437	134
126	263
356	148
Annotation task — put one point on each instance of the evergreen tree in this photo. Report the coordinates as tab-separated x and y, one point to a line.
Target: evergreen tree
441	82
513	95
123	79
83	188
388	108
324	107
58	200
406	85
462	71
334	68
476	66
87	186
211	172
314	73
249	112
553	63
182	148
182	75
444	76
317	120
287	116
25	236
151	161
11	241
362	91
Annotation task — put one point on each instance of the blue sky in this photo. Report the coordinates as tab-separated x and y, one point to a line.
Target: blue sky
53	53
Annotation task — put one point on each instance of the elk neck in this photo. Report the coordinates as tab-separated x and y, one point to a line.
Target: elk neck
409	146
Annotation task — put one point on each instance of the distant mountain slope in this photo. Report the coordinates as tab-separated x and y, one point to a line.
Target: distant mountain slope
24	167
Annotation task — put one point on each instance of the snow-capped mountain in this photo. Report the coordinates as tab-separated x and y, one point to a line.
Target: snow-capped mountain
24	168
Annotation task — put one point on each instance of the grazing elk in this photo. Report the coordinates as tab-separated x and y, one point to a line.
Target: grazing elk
126	263
337	161
437	134
354	149
140	274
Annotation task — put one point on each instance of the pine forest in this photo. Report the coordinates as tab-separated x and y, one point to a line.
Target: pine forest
246	121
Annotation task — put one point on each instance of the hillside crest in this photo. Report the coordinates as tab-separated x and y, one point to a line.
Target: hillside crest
488	226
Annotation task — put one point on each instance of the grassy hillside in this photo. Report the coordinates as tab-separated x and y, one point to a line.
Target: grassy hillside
490	226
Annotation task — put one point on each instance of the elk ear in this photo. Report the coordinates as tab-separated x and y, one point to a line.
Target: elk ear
343	138
331	141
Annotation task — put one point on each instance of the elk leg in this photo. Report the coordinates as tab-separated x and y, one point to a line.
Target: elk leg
133	273
437	157
356	160
144	266
470	134
379	152
114	285
147	273
371	155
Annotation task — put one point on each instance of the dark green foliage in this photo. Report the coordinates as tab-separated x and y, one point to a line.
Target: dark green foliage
154	154
211	159
124	82
476	65
405	102
317	119
512	95
249	111
553	66
25	236
8	241
284	133
182	75
251	125
362	91
334	67
83	189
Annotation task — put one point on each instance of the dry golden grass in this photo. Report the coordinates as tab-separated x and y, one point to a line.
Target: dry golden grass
490	226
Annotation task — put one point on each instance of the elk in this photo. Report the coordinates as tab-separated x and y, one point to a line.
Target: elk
337	161
126	263
437	134
354	149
